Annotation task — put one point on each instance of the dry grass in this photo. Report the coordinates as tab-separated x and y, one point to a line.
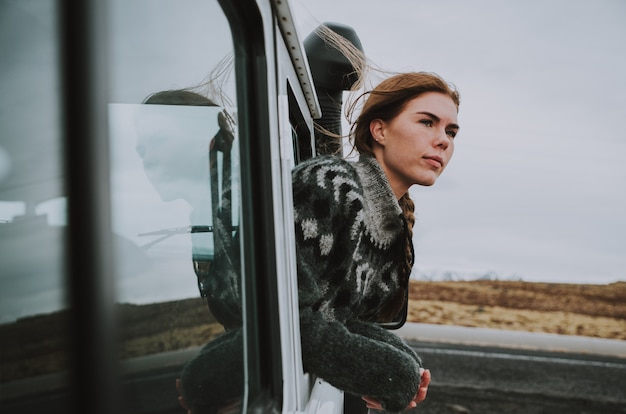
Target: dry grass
585	310
498	317
36	345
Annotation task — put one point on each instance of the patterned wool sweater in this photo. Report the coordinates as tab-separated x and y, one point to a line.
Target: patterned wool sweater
350	237
351	244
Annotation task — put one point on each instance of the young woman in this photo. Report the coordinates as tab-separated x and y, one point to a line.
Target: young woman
354	225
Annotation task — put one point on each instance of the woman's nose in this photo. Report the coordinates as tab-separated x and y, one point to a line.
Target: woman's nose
442	139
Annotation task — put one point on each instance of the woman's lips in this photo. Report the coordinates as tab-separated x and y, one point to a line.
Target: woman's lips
435	161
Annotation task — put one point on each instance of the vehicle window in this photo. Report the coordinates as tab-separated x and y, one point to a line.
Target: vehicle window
300	133
175	183
175	193
32	197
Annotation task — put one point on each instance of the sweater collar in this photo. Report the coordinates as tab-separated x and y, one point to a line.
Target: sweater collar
376	185
379	199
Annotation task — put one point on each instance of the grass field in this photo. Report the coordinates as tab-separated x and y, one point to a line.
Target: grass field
36	345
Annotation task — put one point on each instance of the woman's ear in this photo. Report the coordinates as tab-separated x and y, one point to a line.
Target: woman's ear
377	128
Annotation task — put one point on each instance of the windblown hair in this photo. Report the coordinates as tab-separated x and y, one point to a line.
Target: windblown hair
359	62
184	97
212	91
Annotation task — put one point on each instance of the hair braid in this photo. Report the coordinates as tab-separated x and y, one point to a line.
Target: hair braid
393	308
408	209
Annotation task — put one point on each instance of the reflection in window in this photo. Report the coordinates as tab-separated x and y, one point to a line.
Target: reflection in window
175	190
32	296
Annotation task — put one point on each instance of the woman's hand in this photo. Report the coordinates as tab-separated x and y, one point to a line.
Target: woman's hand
181	399
423	388
420	395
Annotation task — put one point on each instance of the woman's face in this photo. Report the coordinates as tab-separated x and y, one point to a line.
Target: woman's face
174	159
416	146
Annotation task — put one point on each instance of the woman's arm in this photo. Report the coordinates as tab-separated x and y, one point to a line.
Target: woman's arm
357	364
376	332
215	376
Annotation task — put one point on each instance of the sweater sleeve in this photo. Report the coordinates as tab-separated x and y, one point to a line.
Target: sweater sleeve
357	364
216	375
359	358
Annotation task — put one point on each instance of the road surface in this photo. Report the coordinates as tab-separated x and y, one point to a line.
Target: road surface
524	374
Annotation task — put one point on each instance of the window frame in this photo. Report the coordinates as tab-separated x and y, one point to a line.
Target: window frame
263	350
88	244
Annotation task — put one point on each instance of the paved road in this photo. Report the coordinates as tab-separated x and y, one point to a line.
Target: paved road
525	374
471	379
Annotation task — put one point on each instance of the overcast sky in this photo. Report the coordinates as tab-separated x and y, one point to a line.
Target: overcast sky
535	189
536	186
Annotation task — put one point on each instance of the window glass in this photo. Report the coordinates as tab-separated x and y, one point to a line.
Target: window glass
175	184
32	197
175	194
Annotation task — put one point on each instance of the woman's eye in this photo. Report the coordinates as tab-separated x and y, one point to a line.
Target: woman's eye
427	122
451	133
